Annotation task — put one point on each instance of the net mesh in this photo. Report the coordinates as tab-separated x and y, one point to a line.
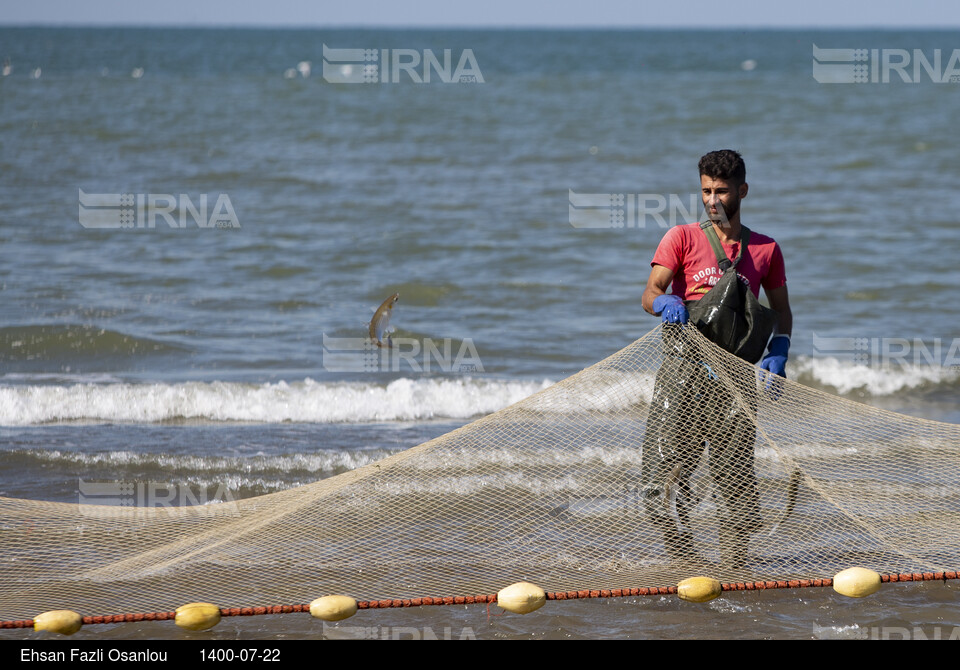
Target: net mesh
669	458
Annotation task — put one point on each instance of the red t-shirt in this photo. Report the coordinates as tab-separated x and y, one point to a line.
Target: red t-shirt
686	251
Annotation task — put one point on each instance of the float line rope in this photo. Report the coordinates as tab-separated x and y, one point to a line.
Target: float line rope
492	598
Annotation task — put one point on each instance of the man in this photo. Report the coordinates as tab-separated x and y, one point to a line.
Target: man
691	408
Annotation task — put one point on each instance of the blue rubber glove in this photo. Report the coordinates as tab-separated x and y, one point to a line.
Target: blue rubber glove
775	363
671	308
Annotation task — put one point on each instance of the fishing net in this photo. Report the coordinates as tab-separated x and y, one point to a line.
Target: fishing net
668	459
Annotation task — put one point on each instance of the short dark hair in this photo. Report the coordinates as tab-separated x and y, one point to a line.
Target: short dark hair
725	164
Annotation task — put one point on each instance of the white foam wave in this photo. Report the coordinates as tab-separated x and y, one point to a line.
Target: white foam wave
320	462
847	377
58	377
307	401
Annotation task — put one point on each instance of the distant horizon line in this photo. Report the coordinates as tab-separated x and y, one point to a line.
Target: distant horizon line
492	26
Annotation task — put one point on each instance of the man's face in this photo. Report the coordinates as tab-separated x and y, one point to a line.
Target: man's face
721	198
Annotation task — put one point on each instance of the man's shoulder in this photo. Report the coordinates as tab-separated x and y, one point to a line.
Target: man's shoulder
759	239
683	231
674	246
691	231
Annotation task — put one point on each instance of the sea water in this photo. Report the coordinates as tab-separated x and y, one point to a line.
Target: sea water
212	339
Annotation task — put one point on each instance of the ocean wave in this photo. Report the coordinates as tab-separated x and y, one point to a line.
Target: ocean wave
44	399
847	377
321	462
307	401
72	342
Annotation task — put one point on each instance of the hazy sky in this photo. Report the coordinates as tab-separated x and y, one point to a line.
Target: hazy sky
487	13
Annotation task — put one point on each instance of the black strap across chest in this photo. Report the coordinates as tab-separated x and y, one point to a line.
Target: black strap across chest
723	262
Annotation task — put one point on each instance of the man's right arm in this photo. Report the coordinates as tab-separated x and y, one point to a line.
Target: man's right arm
657	284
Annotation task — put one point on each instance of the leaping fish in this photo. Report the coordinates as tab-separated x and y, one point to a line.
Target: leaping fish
380	321
671	493
793	488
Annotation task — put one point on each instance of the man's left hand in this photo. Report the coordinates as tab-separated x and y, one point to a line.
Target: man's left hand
775	363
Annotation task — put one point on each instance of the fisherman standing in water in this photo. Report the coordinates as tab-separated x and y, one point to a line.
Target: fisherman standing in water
691	408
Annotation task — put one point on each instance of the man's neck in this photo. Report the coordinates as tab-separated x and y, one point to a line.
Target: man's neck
728	232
